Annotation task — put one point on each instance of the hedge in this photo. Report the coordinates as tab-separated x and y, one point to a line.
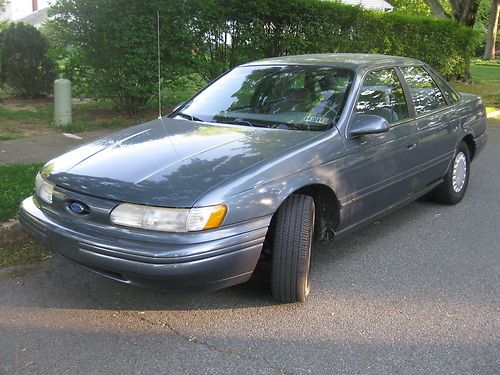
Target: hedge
268	28
113	48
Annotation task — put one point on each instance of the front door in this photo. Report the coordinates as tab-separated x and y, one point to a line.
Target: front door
382	167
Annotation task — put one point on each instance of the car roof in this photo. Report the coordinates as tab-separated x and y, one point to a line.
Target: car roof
353	61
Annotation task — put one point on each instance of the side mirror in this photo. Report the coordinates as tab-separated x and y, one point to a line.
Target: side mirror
364	124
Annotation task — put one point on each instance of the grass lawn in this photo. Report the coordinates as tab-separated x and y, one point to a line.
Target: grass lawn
485	73
30	117
17	181
486	84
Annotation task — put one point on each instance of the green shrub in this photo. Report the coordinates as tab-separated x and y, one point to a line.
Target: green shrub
268	28
109	48
25	67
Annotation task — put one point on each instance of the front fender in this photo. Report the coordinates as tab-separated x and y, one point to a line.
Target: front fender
265	199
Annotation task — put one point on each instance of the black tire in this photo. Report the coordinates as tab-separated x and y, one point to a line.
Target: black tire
447	193
291	252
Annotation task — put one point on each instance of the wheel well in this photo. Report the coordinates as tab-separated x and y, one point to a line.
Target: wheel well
327	210
469	141
327	214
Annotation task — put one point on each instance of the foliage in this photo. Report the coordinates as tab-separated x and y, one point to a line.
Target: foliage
108	48
181	90
417	7
495	63
462	11
283	27
482	15
25	67
481	25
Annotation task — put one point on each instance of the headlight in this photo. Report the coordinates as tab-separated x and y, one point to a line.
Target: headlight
43	189
168	219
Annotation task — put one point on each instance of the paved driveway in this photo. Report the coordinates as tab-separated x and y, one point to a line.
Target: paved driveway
417	292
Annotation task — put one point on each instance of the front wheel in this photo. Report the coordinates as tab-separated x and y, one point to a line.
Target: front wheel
453	188
291	252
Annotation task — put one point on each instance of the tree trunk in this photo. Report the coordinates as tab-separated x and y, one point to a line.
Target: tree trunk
437	9
491	36
464	11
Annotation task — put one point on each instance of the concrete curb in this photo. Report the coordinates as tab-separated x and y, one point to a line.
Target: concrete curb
11	231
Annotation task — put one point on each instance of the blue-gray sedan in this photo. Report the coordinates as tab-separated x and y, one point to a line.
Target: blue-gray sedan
265	159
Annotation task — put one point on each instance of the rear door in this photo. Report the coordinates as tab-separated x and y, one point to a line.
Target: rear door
437	123
381	167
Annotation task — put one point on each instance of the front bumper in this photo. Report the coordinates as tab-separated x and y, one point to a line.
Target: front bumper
207	261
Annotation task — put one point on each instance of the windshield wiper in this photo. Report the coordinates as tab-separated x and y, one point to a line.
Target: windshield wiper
238	121
188	116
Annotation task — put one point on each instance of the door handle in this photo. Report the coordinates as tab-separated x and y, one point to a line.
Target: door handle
412	146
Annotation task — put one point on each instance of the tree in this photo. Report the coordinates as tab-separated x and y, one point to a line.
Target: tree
25	67
2	5
489	51
463	11
412	6
110	47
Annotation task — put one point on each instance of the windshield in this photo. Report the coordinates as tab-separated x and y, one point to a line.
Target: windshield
283	97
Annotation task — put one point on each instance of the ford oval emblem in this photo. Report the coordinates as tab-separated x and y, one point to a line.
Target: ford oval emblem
78	208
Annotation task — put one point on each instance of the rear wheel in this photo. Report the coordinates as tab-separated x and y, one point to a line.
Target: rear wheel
291	252
453	188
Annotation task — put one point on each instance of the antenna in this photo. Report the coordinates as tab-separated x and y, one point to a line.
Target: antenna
159	65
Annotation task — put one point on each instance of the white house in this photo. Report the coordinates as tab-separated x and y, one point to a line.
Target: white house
33	12
371	4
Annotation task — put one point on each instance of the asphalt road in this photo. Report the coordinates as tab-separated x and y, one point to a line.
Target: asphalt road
416	293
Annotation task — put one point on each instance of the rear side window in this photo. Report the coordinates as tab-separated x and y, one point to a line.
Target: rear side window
452	95
382	95
425	93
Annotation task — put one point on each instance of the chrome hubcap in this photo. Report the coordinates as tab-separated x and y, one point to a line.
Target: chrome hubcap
459	172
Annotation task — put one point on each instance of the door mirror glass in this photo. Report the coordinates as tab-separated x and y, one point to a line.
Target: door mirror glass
368	124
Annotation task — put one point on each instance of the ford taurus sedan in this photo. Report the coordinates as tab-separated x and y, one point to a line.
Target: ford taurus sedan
267	158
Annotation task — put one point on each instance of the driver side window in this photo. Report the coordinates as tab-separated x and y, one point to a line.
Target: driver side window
382	95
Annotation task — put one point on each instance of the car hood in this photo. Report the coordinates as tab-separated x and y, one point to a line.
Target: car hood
167	162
